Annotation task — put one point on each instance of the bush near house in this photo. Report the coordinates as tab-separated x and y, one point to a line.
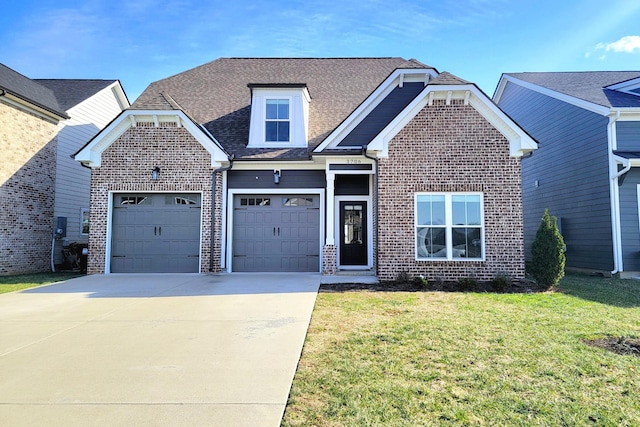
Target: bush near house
547	250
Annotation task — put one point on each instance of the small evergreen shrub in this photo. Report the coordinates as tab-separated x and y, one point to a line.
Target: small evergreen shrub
501	281
421	281
403	277
467	283
547	250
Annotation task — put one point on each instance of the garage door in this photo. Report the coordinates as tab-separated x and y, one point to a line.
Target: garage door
155	233
276	233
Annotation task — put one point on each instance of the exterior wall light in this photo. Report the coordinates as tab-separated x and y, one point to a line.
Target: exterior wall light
276	176
155	173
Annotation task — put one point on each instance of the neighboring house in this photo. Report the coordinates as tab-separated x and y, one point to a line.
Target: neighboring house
380	165
91	105
39	128
586	169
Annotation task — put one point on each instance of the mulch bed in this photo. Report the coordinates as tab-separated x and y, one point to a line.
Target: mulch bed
516	286
618	345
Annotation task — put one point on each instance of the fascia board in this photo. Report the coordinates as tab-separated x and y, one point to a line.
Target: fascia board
369	104
46	114
627	114
91	154
520	142
580	103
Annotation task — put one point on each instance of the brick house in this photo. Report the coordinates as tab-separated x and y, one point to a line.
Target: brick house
43	122
380	165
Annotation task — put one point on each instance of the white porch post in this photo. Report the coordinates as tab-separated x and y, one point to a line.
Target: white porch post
331	178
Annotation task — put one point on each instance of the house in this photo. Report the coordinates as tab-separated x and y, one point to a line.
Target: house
586	169
380	165
42	189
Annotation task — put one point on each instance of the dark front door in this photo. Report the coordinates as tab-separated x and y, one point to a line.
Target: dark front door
353	230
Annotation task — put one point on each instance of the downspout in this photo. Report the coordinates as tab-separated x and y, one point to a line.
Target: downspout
375	211
214	181
615	196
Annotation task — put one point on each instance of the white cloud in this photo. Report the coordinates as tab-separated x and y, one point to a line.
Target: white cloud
627	44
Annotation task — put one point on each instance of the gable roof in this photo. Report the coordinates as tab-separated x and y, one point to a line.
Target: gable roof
24	89
217	95
590	86
71	92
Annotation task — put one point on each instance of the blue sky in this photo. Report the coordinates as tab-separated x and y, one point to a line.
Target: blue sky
142	41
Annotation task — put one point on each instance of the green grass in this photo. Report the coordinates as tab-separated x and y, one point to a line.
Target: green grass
458	359
26	281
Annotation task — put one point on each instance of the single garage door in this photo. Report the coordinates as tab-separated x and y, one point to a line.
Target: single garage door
155	233
276	233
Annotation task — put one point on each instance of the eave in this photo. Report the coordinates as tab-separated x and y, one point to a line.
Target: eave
91	154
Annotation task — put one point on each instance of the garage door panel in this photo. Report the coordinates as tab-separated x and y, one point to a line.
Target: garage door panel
156	233
283	235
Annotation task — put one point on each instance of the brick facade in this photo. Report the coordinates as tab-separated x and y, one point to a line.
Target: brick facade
450	148
126	167
27	190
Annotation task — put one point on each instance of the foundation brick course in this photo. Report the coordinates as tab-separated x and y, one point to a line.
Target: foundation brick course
450	148
27	188
126	167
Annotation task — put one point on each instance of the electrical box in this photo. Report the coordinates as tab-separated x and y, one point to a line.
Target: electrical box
61	227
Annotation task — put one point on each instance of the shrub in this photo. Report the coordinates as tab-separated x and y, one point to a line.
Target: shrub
421	281
403	277
467	283
501	281
547	250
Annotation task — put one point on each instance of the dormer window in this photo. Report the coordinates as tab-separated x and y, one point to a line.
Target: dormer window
277	123
279	116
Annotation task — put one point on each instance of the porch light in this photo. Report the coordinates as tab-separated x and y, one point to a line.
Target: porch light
155	172
276	176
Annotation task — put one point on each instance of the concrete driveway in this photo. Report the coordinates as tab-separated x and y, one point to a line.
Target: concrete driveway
153	350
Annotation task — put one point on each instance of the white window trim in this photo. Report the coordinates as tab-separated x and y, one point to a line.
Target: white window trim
448	225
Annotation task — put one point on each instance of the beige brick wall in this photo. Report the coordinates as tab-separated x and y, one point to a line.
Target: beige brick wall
126	167
27	177
450	149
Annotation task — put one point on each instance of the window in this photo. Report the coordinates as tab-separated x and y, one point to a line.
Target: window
297	201
84	221
277	120
449	226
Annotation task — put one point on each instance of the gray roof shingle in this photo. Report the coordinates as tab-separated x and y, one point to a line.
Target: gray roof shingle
71	92
217	95
29	90
586	85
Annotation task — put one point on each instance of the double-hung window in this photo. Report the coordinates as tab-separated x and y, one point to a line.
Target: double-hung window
277	122
449	226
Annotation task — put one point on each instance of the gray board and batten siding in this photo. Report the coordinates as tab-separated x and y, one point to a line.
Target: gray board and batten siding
629	217
627	136
382	115
568	174
263	179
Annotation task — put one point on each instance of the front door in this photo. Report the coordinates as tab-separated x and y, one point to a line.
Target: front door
353	229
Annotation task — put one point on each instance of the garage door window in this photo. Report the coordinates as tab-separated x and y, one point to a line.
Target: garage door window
175	200
134	200
297	201
255	201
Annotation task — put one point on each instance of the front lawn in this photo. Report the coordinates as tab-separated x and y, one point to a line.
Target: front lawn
439	358
26	281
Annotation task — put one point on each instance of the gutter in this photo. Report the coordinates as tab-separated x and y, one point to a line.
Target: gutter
614	195
375	211
214	181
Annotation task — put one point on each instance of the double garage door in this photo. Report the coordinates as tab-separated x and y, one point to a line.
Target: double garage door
155	233
276	232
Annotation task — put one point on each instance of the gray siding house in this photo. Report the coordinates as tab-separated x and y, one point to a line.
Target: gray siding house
586	168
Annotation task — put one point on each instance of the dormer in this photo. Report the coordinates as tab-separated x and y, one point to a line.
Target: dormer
279	116
632	87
